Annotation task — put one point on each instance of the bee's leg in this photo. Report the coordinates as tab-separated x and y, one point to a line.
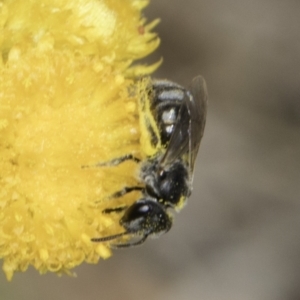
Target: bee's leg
114	162
125	191
119	160
118	194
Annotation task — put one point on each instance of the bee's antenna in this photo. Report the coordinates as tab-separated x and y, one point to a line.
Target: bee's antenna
116	246
113	162
108	238
127	245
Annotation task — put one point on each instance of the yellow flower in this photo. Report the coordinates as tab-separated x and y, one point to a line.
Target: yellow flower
67	100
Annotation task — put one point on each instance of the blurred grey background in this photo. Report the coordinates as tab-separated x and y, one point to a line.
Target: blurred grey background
238	237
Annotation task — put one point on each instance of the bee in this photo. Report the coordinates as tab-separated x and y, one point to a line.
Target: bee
174	119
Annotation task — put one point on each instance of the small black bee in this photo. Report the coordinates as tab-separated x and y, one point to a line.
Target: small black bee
179	119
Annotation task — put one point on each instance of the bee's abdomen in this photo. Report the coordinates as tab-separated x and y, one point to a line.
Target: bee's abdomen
166	100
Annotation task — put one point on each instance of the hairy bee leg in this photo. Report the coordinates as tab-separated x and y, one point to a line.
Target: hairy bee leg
119	194
127	245
125	191
114	162
119	160
115	209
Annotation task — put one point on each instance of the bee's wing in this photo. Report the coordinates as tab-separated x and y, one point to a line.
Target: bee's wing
189	126
198	111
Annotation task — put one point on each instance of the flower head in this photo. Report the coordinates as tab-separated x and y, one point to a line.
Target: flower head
67	100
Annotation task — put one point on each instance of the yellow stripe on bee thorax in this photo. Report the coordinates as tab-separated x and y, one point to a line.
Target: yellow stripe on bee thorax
150	136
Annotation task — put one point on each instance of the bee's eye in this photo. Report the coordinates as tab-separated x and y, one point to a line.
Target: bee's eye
136	211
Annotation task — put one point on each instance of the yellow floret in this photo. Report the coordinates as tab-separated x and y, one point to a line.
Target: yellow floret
67	100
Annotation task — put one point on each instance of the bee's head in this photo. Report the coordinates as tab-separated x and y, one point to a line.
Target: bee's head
146	217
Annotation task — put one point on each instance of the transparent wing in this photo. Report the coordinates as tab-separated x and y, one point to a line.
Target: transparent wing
189	126
179	141
198	111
